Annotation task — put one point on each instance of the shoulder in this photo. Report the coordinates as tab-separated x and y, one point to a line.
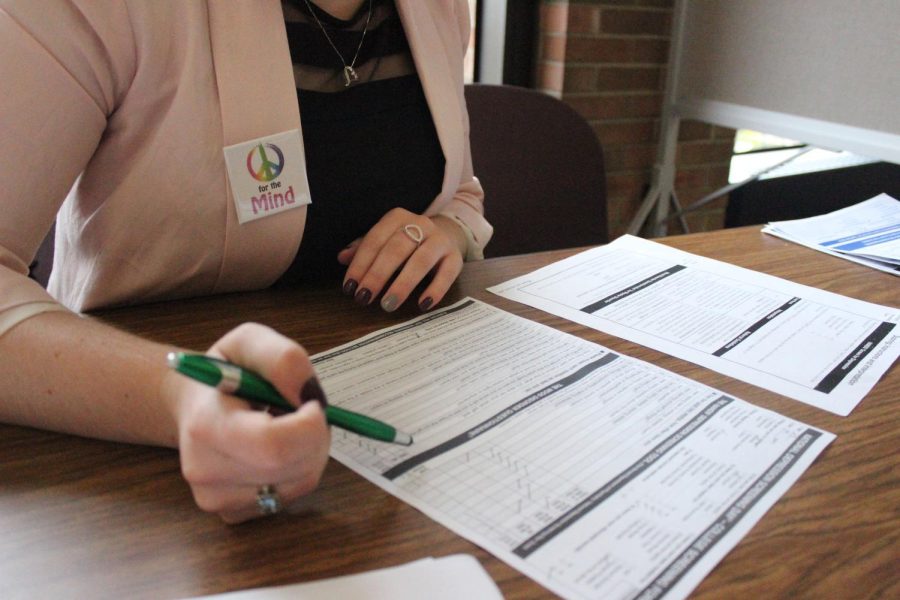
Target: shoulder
98	43
90	41
463	19
456	14
449	16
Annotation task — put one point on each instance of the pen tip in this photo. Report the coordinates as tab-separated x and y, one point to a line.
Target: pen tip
172	360
403	438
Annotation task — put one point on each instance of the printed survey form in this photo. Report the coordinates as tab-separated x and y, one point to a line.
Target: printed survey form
596	474
808	344
867	233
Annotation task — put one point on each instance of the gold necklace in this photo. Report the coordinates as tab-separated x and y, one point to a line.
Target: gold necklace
350	74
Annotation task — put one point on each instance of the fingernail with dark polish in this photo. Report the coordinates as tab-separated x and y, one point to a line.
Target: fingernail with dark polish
363	296
350	287
389	303
425	304
312	390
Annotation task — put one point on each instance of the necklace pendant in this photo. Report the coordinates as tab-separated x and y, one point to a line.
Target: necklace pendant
350	76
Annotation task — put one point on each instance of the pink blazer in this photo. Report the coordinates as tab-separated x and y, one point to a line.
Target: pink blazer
114	115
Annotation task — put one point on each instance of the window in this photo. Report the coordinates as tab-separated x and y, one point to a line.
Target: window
767	156
755	152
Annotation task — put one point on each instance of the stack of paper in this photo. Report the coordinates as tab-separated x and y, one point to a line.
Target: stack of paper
867	233
450	577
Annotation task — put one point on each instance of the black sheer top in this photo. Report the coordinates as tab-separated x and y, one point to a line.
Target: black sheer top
370	146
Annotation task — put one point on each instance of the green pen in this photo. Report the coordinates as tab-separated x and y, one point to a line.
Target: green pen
236	381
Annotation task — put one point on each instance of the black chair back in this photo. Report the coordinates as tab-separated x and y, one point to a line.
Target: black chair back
541	167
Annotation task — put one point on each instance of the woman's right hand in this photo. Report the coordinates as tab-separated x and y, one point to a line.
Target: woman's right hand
229	451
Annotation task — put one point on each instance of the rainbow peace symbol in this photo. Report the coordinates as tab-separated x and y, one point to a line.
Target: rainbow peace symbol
266	170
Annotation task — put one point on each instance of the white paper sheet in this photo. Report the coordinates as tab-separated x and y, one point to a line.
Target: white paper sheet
598	475
808	344
867	233
447	578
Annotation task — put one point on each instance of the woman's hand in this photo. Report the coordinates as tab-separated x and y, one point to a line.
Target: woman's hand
229	451
389	248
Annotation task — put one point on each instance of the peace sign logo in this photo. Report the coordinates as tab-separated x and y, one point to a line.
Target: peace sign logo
265	170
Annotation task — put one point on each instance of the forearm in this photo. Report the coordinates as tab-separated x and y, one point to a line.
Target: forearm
79	376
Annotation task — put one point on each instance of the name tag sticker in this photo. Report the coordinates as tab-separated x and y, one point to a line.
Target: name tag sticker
267	175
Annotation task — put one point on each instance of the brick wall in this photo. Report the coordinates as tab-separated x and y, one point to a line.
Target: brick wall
607	59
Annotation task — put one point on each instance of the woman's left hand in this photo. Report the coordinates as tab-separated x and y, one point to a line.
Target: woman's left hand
390	247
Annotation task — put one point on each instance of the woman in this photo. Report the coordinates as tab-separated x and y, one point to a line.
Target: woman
176	127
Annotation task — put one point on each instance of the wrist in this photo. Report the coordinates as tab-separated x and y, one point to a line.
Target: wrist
469	248
173	396
452	230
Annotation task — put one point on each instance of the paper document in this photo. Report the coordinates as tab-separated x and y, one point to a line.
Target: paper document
808	344
867	233
598	475
447	578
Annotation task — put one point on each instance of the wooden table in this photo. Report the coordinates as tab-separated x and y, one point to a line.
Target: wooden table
83	518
